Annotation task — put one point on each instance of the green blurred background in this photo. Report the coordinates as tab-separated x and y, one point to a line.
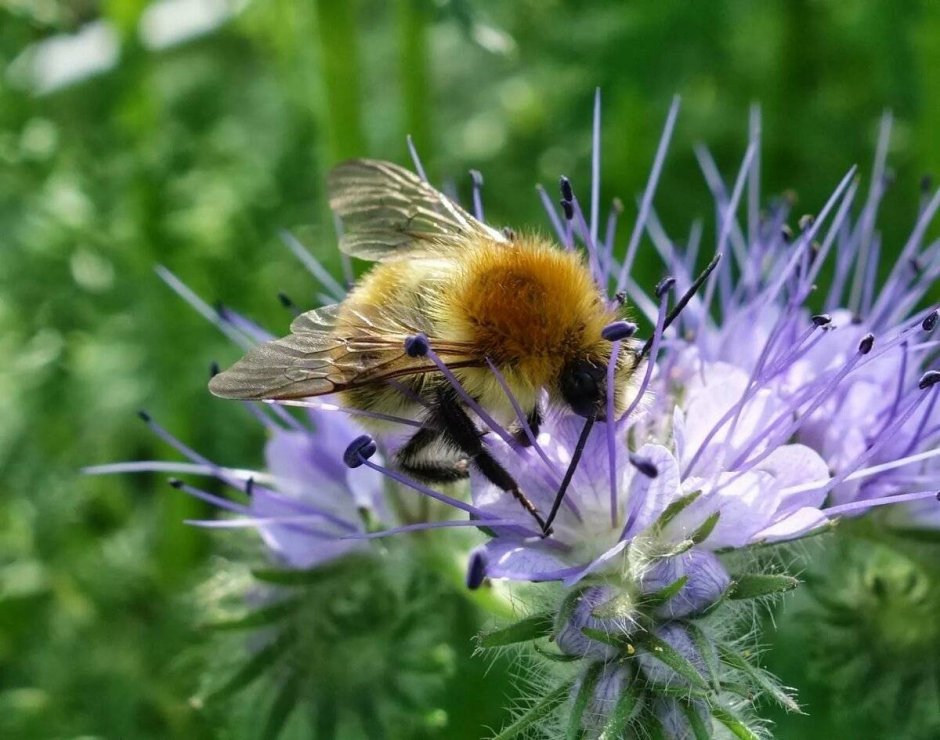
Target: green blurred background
209	125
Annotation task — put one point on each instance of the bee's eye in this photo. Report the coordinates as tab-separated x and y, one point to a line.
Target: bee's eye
581	387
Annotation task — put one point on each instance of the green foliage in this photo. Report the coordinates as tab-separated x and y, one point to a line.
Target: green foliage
196	155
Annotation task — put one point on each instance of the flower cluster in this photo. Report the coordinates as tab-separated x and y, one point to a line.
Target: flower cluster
756	420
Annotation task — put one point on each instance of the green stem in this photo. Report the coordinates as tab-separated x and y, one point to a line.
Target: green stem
413	21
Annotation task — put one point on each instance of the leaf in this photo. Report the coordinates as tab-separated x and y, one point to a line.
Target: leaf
259	618
699	730
669	656
530	628
733	723
310	576
674	509
755	586
258	664
706	648
283	705
581	702
542	709
736	660
627	706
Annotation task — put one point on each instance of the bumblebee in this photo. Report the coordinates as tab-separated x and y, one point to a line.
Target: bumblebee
480	296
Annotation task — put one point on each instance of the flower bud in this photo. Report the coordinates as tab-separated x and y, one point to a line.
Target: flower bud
707	580
678	639
613	680
675	720
569	636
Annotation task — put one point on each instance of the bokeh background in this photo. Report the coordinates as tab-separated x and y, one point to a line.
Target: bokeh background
189	132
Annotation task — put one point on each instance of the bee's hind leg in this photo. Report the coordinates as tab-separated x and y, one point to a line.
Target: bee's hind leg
428	470
460	430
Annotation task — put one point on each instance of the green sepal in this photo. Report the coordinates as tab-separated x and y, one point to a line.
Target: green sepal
706	648
628	705
265	658
542	709
263	617
283	705
554	655
652	728
736	660
581	701
530	628
699	730
756	585
737	726
669	656
658	598
706	528
618	641
674	509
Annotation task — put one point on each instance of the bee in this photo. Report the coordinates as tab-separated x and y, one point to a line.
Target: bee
482	297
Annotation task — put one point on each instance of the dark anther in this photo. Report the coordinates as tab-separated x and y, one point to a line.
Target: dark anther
787	233
568	207
856	318
476	568
915	265
888	179
621	297
285	300
618	330
477	178
250	486
214	369
176	483
938	495
664	285
221	310
644	465
565	184
926	182
930	322
417	345
929	379
821	319
359	450
509	233
144	415
868	341
806	221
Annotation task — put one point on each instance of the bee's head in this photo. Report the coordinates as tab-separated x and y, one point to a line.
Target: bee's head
583	381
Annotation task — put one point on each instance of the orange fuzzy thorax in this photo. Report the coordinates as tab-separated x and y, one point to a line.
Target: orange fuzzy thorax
529	307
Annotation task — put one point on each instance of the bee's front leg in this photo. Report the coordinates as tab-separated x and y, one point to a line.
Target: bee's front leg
459	428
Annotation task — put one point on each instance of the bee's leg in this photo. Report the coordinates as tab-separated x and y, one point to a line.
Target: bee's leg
534	420
428	470
460	429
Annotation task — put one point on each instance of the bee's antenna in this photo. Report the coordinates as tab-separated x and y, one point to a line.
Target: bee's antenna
681	303
569	474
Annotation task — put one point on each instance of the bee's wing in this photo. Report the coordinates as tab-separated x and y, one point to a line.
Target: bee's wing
387	211
312	360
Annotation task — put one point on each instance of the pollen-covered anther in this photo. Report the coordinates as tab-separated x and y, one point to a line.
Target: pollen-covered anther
417	345
865	346
822	319
644	465
664	285
806	221
930	321
618	330
359	450
929	379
